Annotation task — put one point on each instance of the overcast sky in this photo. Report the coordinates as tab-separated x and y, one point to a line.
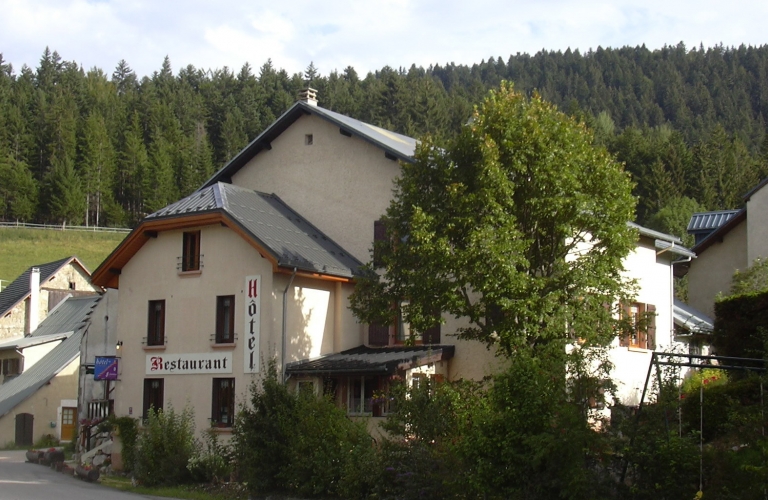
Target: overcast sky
364	34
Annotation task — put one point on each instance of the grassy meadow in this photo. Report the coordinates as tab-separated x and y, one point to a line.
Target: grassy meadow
21	248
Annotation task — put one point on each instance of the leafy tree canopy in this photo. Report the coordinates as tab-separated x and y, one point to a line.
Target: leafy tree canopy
519	225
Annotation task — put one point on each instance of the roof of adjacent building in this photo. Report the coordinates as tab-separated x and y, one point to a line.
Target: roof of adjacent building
396	146
708	221
663	242
372	360
289	239
717	235
18	290
691	318
74	313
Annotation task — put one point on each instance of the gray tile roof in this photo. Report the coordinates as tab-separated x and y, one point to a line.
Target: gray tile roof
396	145
289	237
371	360
708	221
25	385
691	318
663	241
18	290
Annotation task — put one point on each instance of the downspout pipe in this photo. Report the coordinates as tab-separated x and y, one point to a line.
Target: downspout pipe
285	316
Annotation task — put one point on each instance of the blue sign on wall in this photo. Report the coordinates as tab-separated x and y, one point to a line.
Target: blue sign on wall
105	368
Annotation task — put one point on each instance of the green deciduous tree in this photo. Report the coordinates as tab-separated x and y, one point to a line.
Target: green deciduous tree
519	225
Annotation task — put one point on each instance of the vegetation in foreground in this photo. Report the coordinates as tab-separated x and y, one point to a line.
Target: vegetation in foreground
22	248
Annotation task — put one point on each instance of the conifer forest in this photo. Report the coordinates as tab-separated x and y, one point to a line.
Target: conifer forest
106	148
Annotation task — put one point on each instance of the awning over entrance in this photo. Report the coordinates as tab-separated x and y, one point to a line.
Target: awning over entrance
372	360
690	320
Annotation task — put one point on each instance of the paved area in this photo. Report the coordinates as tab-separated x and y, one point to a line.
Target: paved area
20	480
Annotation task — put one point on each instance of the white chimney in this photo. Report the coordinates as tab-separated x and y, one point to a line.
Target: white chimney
33	316
308	95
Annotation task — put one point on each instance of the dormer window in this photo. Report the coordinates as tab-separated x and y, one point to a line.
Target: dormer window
190	258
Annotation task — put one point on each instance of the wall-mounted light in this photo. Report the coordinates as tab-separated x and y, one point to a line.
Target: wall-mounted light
119	345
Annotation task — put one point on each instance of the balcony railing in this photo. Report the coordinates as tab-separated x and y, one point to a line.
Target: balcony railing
101	408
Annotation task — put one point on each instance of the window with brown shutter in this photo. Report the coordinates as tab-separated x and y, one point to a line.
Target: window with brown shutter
156	323
379	236
639	324
378	335
190	257
225	319
153	395
223	402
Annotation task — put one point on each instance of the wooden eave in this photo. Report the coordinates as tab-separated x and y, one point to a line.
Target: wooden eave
107	275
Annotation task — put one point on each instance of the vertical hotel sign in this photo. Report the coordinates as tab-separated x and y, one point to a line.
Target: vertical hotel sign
252	323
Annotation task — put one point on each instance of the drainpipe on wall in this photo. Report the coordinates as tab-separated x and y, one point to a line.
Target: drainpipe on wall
285	304
33	317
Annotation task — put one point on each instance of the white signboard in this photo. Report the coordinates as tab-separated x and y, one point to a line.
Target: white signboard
187	364
252	323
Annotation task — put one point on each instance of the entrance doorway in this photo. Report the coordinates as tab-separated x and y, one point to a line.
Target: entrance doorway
68	421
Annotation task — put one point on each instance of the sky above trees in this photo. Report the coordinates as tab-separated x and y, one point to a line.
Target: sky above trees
366	35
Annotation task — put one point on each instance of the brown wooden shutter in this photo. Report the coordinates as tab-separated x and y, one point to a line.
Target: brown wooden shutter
379	235
651	313
378	335
624	335
432	335
216	402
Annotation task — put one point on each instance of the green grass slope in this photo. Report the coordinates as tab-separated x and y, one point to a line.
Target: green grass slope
21	248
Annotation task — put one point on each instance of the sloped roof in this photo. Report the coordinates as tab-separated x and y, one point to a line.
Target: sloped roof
398	146
291	239
74	312
18	290
707	221
691	318
663	242
717	235
273	227
372	360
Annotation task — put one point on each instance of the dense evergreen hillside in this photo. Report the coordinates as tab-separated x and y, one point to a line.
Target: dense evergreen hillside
88	147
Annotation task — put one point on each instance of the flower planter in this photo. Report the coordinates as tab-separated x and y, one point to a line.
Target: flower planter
53	456
34	456
89	475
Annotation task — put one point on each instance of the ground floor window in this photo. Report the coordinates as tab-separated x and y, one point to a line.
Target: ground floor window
360	395
223	408
153	395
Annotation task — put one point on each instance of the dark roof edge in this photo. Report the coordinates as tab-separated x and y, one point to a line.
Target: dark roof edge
64	262
755	189
721	231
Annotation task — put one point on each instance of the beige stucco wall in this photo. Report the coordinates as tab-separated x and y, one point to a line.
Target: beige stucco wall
318	320
757	225
45	405
712	271
13	323
341	184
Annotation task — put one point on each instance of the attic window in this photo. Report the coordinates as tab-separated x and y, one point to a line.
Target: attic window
308	140
72	285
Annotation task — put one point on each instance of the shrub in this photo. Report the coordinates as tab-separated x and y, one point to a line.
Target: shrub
164	448
320	443
46	441
262	431
128	429
212	461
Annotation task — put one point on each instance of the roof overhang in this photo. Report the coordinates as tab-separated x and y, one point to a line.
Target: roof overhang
107	274
372	360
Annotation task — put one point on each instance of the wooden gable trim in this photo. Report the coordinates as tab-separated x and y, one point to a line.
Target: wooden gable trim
108	273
